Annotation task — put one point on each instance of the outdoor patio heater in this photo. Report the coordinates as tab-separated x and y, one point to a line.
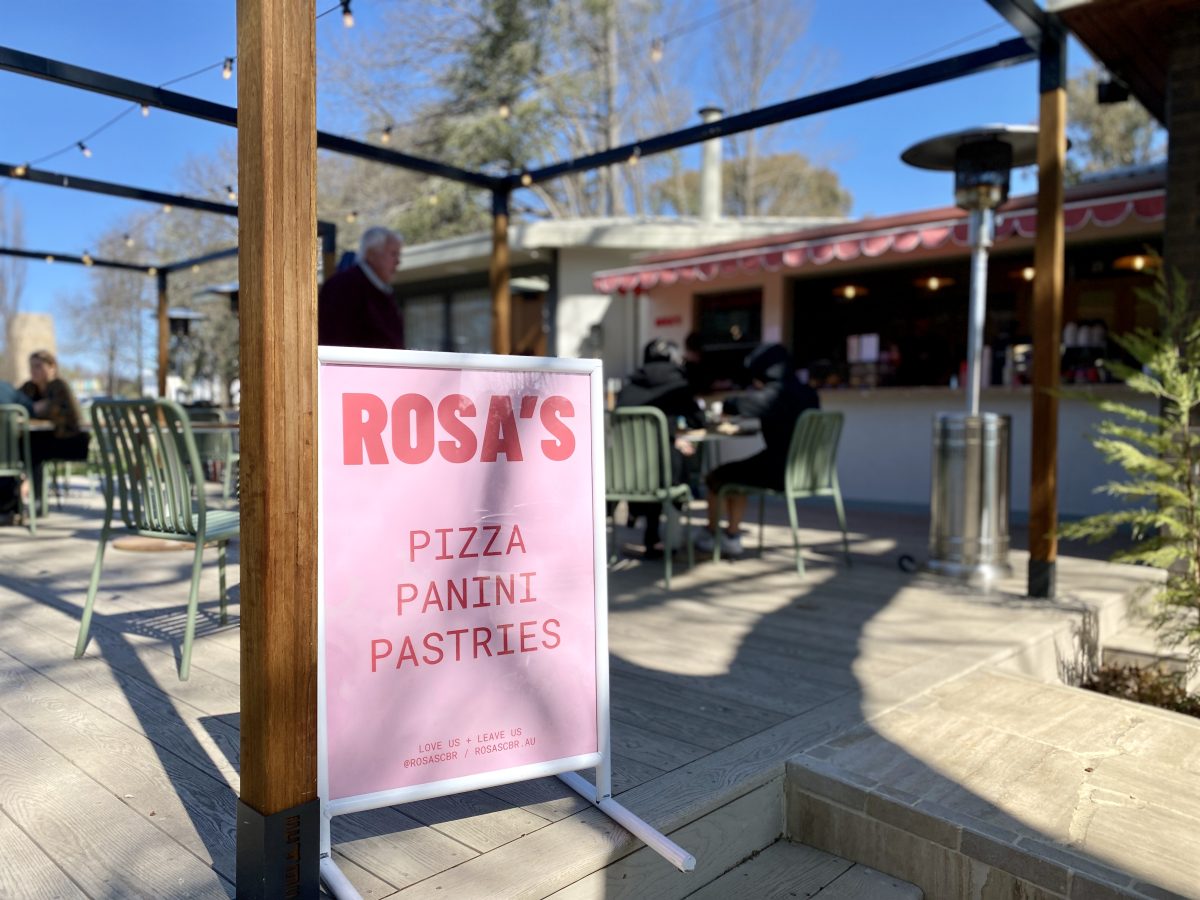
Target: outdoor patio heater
969	494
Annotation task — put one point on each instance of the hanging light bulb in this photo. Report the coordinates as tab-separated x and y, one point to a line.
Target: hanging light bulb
49	258
656	50
433	199
504	110
153	270
195	267
526	179
145	110
385	136
84	148
166	207
347	16
230	193
20	170
352	216
87	258
634	156
227	68
129	240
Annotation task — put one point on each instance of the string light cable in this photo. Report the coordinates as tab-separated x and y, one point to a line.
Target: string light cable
225	65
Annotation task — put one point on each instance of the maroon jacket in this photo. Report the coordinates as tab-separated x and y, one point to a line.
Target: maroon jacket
352	312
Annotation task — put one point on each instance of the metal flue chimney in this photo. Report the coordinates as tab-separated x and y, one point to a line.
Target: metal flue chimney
710	170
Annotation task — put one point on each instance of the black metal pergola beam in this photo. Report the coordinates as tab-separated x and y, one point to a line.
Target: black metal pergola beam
45	256
1030	20
327	231
144	268
199	260
112	189
1006	53
22	63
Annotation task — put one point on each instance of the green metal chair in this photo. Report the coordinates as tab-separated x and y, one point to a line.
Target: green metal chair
811	472
151	462
232	485
14	451
217	449
637	469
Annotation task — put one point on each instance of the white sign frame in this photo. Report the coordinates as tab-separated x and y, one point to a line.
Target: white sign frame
565	768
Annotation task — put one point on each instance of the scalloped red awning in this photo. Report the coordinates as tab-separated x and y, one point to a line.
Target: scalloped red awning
1106	212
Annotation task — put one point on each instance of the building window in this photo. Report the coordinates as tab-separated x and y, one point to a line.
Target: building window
730	326
471	322
424	322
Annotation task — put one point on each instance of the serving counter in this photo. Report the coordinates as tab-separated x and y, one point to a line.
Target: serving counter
885	456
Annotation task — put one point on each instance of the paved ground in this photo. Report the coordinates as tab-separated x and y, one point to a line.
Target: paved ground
716	686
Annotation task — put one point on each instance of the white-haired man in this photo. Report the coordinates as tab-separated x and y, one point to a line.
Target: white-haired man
356	306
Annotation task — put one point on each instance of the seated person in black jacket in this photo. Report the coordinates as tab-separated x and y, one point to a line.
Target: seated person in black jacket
776	399
661	383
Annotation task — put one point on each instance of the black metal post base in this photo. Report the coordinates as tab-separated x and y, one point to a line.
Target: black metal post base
1041	578
279	855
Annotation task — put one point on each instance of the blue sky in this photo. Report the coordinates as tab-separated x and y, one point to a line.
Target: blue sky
154	41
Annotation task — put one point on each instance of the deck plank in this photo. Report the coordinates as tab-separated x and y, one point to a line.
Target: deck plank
650	748
673	722
366	883
144	598
38	877
139	656
480	820
693	700
737	830
110	849
547	798
782	870
778	693
394	847
208	742
193	808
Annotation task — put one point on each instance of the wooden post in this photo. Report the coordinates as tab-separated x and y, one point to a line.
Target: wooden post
164	333
498	276
1048	264
278	834
1181	233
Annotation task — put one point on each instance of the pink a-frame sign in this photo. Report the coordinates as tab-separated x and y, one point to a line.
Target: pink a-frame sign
462	588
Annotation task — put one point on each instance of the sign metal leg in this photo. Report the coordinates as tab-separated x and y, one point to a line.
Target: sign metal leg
655	840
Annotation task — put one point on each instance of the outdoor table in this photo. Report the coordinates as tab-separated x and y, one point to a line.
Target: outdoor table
709	438
52	464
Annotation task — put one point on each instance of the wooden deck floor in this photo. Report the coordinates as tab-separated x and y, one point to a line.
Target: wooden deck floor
118	780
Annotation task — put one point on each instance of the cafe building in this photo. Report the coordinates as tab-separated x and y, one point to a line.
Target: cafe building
875	314
444	288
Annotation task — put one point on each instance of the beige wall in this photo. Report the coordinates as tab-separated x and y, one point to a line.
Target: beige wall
674	308
584	314
27	332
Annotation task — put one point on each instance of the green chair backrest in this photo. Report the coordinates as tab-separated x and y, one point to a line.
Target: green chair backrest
150	462
812	454
637	456
212	445
14	439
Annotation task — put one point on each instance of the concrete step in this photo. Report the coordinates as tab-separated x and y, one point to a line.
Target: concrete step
998	785
1137	644
792	870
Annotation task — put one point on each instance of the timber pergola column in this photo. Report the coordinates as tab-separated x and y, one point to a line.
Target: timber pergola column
498	275
278	835
164	325
1048	269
